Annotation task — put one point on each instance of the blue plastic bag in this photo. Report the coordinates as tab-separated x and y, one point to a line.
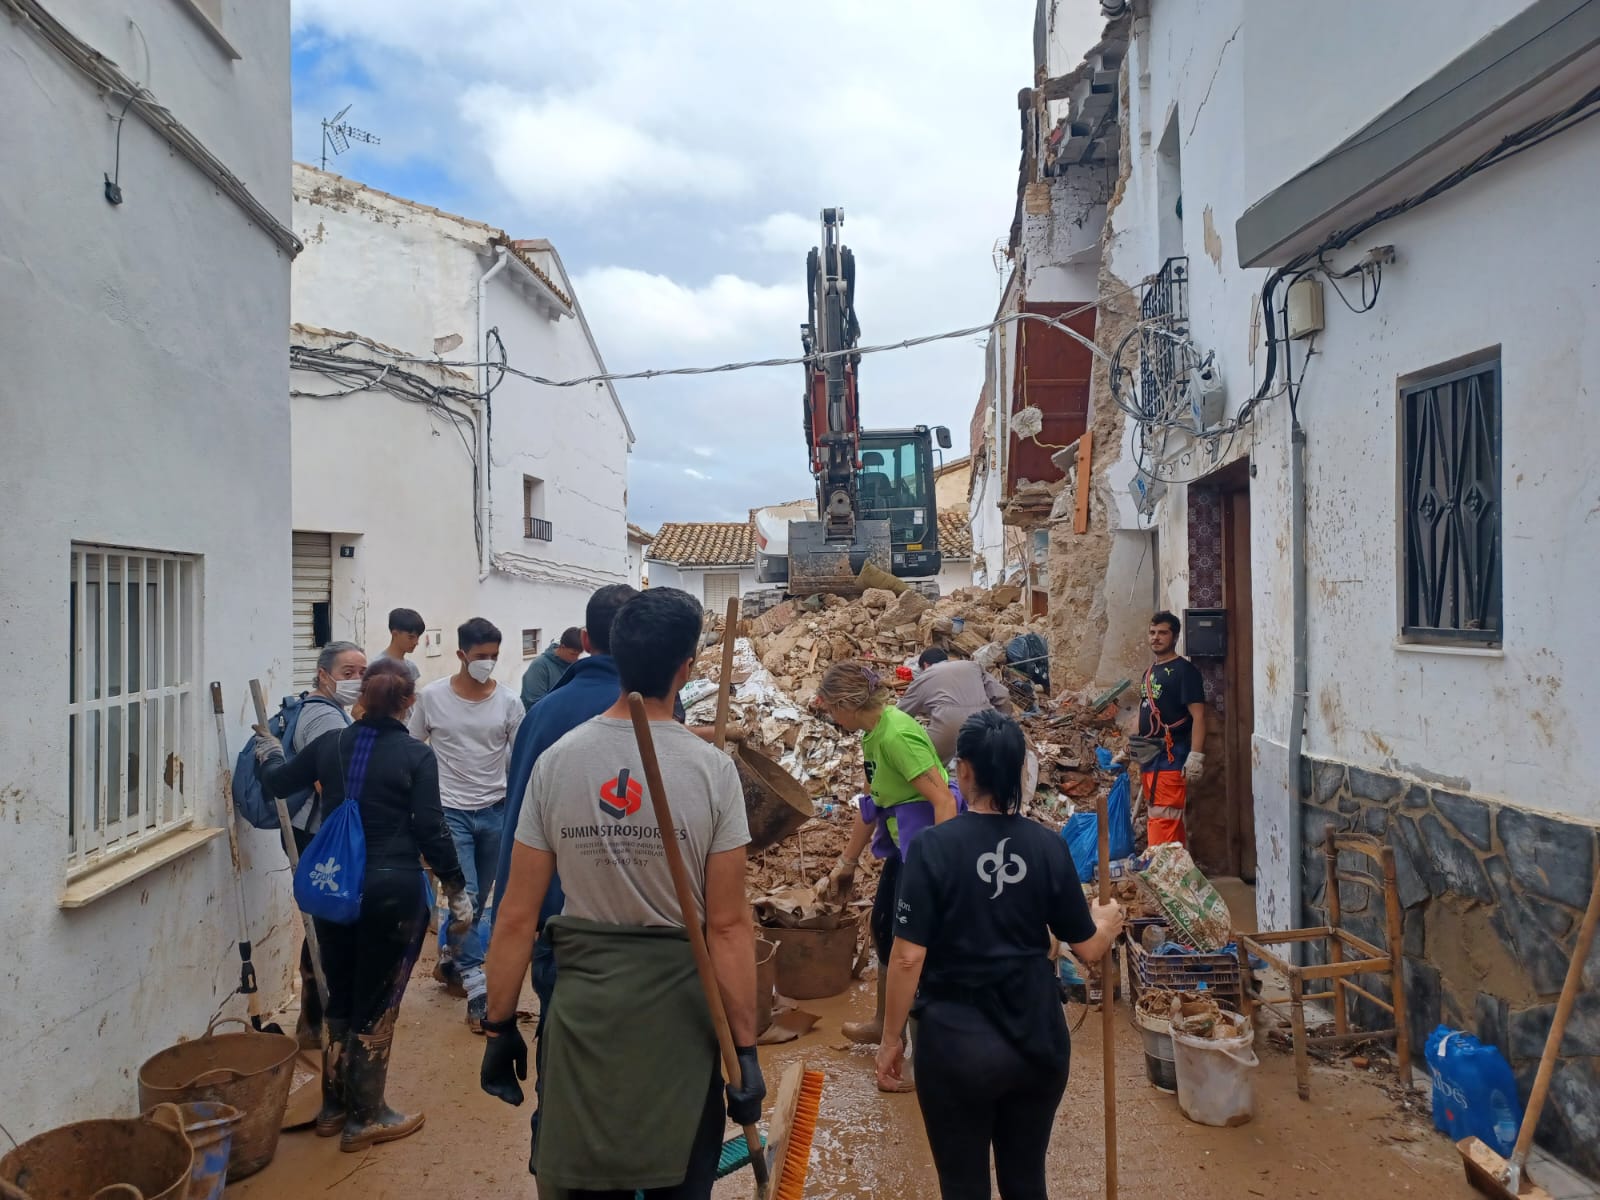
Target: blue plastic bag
1082	830
328	881
1474	1091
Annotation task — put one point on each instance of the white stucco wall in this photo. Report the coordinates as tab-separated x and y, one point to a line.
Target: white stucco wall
145	401
955	573
1490	723
402	275
693	579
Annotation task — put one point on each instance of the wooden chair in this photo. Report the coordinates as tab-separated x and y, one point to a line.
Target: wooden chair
1347	954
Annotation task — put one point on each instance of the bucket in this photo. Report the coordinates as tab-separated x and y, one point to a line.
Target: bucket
1159	1066
775	805
77	1162
209	1127
1215	1075
248	1071
766	981
813	963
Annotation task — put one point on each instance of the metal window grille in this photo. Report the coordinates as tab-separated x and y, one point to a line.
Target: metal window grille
132	712
1164	313
530	643
1452	585
538	529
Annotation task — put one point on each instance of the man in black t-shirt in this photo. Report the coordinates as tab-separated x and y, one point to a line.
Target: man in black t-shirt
1172	714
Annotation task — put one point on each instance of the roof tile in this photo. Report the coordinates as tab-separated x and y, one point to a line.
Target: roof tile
704	543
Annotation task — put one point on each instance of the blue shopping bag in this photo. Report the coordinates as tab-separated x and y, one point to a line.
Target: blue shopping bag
327	883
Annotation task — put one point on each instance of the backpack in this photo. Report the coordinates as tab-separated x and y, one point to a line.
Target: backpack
333	870
250	799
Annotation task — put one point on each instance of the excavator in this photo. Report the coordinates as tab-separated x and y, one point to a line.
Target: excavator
875	500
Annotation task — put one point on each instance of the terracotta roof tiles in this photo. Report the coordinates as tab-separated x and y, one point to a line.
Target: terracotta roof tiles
704	543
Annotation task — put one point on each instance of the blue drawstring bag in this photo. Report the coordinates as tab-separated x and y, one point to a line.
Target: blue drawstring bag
1082	830
327	883
1474	1091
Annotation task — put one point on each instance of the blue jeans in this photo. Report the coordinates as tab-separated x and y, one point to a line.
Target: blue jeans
476	834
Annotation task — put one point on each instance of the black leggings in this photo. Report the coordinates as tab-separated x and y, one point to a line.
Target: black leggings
704	1156
883	902
976	1091
368	963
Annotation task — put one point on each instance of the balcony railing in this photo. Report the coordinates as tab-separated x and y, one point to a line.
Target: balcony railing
538	529
1164	310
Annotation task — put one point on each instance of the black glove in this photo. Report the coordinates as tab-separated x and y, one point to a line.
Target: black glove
745	1097
505	1060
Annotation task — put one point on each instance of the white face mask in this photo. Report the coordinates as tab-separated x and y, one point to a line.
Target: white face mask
347	691
481	668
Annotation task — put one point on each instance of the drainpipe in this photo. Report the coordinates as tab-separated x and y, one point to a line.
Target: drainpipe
1297	710
483	411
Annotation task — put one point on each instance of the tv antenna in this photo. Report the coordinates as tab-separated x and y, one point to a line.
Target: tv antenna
337	134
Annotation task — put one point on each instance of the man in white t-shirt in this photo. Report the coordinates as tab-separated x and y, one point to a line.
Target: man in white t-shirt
471	721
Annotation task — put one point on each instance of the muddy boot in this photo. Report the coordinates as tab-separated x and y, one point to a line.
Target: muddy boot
370	1118
869	1033
330	1120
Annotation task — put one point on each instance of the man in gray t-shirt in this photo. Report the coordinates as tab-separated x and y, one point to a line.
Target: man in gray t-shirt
586	804
947	692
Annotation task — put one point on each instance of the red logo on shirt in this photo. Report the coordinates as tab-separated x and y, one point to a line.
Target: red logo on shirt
622	796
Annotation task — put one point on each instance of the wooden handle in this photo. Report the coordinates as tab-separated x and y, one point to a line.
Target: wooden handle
1107	1016
1558	1028
691	921
258	697
730	627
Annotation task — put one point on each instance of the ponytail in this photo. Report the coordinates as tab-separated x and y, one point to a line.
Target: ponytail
993	746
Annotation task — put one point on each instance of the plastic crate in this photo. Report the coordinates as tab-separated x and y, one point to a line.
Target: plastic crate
1217	973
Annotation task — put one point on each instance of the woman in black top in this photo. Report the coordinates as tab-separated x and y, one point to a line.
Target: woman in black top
368	963
979	897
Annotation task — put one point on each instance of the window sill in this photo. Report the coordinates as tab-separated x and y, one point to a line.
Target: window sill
1456	651
102	881
213	30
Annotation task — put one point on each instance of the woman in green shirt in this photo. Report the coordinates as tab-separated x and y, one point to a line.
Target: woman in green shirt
909	791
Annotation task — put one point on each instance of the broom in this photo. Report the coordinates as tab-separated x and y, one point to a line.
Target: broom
779	1166
1486	1170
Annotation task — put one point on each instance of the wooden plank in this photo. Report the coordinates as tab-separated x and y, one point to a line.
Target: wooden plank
1354	966
1080	518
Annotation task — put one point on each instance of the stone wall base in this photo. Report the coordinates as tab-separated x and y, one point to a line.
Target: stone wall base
1492	897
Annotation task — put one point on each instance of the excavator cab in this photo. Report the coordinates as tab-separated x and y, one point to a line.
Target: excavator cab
895	484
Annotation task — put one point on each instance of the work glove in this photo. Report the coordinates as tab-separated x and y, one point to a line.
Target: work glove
461	913
266	745
505	1060
1193	765
839	884
745	1097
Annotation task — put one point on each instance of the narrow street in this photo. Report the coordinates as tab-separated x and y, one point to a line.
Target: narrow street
1351	1139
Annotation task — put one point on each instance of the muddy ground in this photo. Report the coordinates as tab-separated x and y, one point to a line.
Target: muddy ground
1351	1139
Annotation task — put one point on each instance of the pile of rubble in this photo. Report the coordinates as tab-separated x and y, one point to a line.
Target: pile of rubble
799	639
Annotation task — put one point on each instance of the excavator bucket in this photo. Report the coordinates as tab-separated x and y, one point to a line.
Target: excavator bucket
818	565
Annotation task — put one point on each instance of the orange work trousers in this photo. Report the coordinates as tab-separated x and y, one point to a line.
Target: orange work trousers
1167	794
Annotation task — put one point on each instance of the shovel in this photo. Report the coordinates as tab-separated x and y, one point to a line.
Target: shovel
1486	1170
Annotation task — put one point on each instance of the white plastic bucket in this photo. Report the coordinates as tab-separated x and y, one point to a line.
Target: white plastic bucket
1215	1085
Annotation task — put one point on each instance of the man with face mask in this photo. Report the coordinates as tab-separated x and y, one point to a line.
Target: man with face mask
326	706
471	721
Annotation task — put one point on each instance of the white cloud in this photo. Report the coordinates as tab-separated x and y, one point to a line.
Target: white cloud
648	313
555	152
693	474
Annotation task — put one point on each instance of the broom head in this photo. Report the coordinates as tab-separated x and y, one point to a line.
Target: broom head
1486	1171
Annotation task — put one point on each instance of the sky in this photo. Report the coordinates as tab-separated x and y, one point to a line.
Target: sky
678	153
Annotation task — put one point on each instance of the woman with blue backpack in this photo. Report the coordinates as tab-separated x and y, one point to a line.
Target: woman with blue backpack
361	881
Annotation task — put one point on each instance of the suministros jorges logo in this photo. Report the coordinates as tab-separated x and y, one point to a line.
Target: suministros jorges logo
621	796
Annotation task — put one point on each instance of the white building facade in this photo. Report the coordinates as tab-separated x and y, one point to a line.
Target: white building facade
1363	341
411	489
145	470
711	560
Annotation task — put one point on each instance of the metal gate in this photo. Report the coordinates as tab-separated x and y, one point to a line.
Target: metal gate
313	603
718	588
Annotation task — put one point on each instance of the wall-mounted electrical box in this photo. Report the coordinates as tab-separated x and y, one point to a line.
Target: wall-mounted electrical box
1207	400
1205	632
1303	307
432	643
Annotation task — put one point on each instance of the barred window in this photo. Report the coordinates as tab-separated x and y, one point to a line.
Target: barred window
1451	506
133	712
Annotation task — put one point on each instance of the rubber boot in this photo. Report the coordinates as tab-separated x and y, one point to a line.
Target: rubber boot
870	1033
330	1120
370	1118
